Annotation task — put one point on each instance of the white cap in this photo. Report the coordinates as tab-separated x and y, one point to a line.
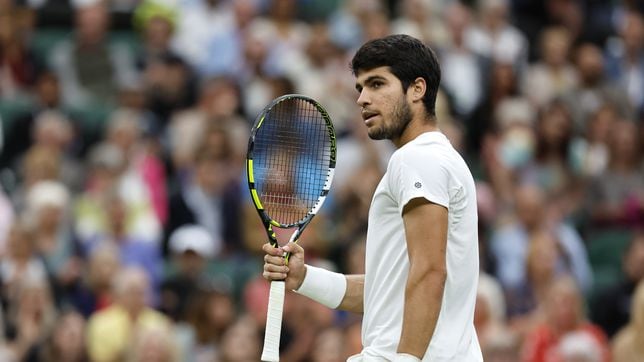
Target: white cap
195	238
47	193
580	345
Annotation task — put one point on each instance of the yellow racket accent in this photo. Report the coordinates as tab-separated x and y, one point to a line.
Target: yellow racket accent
249	166
258	203
261	120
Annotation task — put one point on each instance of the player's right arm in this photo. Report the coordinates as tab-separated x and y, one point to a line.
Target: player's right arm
347	294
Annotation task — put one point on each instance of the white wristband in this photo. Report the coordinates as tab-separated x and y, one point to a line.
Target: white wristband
323	286
406	357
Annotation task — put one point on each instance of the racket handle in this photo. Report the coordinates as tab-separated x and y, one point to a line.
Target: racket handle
271	352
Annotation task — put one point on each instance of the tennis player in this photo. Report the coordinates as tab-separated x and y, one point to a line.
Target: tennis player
419	289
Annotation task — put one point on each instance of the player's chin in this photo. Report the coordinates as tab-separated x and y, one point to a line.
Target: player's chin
376	133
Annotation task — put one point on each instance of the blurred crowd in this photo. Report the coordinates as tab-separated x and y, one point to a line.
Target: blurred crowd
126	231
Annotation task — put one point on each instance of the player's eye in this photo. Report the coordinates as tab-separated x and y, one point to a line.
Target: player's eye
376	84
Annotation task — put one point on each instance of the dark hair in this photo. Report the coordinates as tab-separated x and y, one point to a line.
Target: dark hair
407	57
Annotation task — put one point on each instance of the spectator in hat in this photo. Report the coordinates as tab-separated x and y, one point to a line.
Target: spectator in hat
48	213
192	247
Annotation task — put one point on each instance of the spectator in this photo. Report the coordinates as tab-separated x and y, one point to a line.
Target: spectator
20	264
495	37
564	316
218	106
508	147
625	58
594	89
144	173
156	22
422	20
626	345
327	346
579	347
283	30
503	85
18	63
48	115
611	308
525	302
615	197
55	131
551	166
192	248
591	150
33	318
345	22
375	24
106	170
39	164
461	64
153	344
489	314
90	67
48	213
169	86
317	72
209	315
552	76
94	291
241	342
112	331
65	343
6	220
133	250
502	347
201	26
510	243
208	199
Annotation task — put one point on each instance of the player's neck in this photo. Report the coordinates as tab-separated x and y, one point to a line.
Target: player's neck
416	127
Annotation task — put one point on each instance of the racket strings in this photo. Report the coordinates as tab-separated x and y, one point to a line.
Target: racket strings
292	155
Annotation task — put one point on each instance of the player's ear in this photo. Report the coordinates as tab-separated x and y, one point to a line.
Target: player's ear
418	89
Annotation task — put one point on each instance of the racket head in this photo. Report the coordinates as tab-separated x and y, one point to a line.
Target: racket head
290	161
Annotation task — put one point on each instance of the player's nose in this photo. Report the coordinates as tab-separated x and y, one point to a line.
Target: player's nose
363	99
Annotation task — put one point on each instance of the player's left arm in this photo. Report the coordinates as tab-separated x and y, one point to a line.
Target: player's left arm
426	233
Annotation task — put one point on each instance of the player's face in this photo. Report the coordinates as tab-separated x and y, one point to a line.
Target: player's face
385	110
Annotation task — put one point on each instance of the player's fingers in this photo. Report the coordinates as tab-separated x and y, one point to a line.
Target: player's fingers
273	276
293	248
273	272
271	250
275	268
276	260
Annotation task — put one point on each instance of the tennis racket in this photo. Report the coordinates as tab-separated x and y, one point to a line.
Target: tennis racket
290	165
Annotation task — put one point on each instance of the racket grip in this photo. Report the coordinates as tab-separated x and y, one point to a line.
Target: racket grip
271	351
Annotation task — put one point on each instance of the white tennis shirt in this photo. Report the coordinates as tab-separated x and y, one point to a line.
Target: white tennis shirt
427	167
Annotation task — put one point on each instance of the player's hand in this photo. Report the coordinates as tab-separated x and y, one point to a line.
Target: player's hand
275	267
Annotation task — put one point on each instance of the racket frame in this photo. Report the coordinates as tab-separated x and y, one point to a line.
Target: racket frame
270	351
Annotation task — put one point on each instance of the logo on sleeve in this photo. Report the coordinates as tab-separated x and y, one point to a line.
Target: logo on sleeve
418	185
